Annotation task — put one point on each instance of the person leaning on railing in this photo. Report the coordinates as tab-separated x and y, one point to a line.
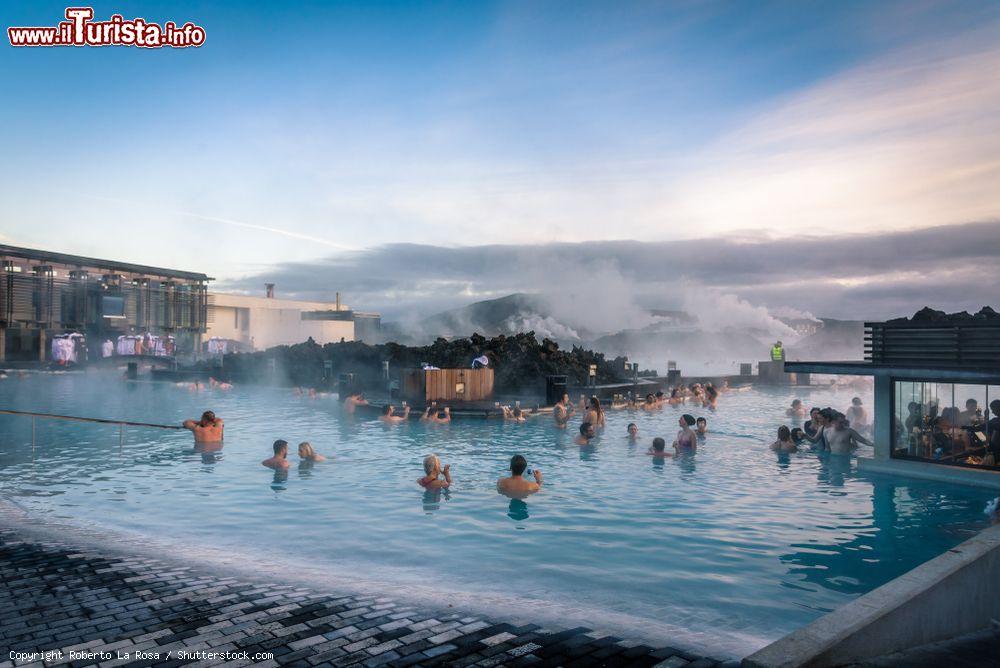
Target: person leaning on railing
206	430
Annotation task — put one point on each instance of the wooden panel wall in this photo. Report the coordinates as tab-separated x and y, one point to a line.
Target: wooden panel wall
440	384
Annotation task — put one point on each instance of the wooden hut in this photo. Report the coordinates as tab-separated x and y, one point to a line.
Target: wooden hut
421	386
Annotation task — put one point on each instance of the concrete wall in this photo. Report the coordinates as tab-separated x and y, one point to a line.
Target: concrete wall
956	475
951	595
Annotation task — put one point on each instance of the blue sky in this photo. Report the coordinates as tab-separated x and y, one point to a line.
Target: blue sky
307	130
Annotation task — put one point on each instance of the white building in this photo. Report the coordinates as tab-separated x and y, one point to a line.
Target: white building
257	323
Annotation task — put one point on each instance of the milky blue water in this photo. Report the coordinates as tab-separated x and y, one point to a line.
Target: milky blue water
736	543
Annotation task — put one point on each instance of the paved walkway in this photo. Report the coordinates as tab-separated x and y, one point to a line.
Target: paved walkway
139	611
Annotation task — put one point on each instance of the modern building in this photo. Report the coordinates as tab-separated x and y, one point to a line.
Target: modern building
45	294
934	382
260	322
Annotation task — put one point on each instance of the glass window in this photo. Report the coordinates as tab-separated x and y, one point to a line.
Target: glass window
946	423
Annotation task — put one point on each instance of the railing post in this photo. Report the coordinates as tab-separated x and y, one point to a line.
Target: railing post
121	436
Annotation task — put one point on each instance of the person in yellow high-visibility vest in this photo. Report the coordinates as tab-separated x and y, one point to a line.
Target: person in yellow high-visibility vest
777	352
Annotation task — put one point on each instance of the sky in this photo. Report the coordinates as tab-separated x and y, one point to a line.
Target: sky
432	154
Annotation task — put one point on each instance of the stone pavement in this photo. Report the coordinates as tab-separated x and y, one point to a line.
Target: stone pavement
136	610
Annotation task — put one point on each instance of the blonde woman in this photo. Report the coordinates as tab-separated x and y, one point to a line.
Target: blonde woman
433	478
308	454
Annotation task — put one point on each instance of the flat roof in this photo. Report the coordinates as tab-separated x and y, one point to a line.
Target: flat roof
922	372
65	258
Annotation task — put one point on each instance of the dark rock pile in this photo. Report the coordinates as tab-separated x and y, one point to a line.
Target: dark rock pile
929	315
521	362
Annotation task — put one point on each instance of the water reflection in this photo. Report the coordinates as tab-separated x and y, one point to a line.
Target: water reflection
517	510
279	480
432	499
872	551
833	469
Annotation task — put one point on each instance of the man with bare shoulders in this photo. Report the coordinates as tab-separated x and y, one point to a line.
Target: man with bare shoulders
279	462
354	400
389	416
517	486
206	430
562	412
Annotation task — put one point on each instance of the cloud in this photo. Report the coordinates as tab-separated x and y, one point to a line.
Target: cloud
873	275
909	140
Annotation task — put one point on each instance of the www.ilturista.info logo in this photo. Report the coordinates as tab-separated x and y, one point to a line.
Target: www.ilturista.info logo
80	30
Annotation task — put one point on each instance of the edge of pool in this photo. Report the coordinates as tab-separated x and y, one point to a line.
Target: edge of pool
102	540
951	595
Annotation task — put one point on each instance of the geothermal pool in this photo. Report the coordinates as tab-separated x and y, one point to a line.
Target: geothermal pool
726	550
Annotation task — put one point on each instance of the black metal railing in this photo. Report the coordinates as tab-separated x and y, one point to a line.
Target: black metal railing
959	345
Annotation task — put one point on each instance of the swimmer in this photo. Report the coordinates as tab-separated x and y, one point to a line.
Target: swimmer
858	416
798	436
513	415
279	462
687	440
650	403
659	449
660	398
595	415
516	485
633	431
433	474
582	406
206	430
354	400
701	427
711	399
296	391
562	412
432	414
841	440
796	409
587	432
389	416
675	397
784	442
312	392
307	453
814	423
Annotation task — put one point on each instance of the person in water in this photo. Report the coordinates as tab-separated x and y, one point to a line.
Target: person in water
279	462
389	416
354	400
517	485
687	439
814	423
711	399
798	436
435	477
675	397
633	431
701	427
587	433
308	454
562	412
784	442
206	430
432	414
595	414
837	435
857	415
659	448
513	414
797	409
